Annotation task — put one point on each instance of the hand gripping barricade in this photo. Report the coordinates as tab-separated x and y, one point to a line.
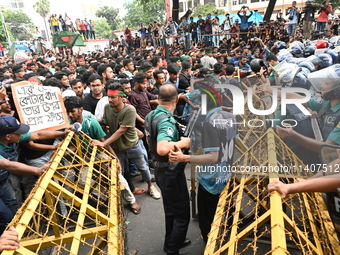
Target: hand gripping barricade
92	222
248	220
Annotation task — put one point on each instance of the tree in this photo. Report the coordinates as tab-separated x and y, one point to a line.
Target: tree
102	28
137	14
205	9
111	16
20	24
3	39
42	7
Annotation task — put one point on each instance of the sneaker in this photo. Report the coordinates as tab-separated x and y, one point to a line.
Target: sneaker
154	192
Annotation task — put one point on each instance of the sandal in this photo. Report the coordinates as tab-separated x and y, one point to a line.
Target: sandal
139	191
135	208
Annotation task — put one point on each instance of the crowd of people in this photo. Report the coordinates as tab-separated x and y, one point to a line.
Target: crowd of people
149	91
296	24
84	27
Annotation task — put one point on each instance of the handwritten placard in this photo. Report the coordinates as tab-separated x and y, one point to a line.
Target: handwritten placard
40	107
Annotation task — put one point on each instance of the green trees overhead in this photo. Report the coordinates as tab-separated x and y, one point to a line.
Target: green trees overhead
102	28
20	25
111	16
205	9
137	14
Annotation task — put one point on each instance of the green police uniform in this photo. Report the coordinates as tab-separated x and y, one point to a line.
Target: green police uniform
172	183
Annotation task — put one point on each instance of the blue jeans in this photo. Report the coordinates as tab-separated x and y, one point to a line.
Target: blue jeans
137	155
320	26
8	204
291	29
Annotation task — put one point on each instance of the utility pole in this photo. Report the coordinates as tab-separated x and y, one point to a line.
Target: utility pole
5	29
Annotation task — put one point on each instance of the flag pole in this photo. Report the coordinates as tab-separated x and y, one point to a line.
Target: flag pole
5	29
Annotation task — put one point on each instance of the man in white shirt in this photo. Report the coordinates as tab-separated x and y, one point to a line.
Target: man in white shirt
208	61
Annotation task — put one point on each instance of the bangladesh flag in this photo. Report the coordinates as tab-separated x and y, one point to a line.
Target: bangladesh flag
67	39
12	50
41	49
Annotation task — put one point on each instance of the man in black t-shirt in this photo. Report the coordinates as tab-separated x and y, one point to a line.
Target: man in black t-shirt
201	26
96	87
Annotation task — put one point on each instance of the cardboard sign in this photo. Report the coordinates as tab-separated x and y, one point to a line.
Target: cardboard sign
40	107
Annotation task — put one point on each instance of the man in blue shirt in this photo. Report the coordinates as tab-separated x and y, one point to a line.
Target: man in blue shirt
142	35
11	133
293	12
218	140
243	66
244	22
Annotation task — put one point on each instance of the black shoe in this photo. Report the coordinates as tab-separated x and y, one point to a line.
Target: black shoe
186	243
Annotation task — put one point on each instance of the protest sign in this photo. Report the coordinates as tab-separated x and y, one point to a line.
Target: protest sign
40	107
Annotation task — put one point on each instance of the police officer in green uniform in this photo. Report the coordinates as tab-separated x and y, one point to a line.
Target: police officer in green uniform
163	134
328	108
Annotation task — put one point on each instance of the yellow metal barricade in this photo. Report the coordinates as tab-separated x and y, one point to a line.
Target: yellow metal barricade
248	219
75	207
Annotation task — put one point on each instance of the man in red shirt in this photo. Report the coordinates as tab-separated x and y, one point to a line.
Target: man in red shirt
325	9
128	38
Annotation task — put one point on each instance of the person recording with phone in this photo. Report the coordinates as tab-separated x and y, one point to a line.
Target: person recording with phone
293	12
323	12
244	21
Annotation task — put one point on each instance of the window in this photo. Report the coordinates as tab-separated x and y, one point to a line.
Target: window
209	1
14	5
242	1
181	8
21	5
234	2
254	1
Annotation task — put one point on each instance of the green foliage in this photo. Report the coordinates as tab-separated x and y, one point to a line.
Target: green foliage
137	14
111	16
42	7
20	24
102	28
3	39
205	9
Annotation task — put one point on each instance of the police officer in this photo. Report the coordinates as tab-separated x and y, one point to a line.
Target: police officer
304	127
11	132
328	108
170	177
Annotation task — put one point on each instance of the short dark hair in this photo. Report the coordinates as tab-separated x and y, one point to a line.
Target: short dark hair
115	85
127	61
173	69
140	77
94	77
155	60
156	73
53	82
167	93
60	75
85	77
74	82
102	68
229	69
271	57
218	67
95	65
73	102
174	59
118	67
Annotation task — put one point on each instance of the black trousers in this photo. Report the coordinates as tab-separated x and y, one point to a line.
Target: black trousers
176	205
207	204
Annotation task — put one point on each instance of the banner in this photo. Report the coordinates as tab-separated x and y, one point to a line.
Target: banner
40	107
